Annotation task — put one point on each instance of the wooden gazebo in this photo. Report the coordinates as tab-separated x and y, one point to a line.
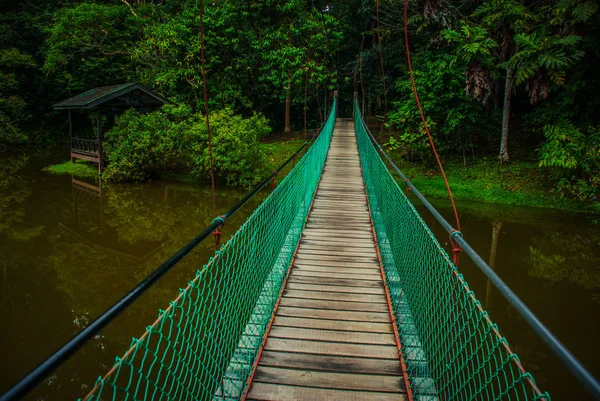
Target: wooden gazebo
106	98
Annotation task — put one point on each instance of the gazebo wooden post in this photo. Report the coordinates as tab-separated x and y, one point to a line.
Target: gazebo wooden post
70	135
100	140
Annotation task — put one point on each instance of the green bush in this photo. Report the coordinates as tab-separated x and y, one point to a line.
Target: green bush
140	146
174	139
237	154
573	157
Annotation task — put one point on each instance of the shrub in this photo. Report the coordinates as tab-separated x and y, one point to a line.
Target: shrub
175	139
237	154
140	146
573	157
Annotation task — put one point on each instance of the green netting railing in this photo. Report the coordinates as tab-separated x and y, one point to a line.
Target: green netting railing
451	348
204	345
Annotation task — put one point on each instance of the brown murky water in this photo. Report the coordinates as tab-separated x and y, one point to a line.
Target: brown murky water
68	252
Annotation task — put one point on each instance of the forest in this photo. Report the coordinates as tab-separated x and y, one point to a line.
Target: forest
509	88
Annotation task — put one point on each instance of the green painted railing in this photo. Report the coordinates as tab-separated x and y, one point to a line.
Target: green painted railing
204	345
450	347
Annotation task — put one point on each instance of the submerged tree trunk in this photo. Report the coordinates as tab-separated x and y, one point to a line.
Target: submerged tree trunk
506	115
497	225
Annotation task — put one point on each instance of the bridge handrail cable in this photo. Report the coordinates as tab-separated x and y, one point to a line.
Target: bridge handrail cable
43	370
557	348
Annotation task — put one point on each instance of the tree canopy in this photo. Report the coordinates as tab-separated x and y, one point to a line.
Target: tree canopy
514	75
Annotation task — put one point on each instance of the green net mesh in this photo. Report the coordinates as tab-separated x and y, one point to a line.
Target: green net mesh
204	345
451	348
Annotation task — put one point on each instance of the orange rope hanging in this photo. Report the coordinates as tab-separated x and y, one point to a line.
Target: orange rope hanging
456	248
217	233
381	62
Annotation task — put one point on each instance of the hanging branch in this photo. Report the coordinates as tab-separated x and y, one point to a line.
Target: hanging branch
362	85
381	62
210	149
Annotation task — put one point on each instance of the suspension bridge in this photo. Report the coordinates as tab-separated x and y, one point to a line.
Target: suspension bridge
333	289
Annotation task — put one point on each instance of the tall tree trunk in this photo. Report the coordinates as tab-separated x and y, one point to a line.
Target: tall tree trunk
318	104
506	115
288	101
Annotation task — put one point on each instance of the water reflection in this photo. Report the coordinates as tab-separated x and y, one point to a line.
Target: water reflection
549	258
69	249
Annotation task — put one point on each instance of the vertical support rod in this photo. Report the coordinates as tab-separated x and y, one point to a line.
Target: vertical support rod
70	134
100	141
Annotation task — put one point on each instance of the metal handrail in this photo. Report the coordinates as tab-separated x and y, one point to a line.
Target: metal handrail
43	370
557	348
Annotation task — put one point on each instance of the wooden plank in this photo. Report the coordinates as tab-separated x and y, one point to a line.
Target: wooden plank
345	270
327	324
360	277
331	380
332	348
335	305
356	316
334	263
268	391
337	242
340	227
352	337
341	364
312	246
306	254
334	296
346	251
324	232
335	289
335	281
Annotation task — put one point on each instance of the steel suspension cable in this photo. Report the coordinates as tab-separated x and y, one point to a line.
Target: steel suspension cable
553	343
437	157
217	233
28	382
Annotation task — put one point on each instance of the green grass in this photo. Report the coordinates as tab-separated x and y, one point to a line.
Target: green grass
278	152
79	169
516	183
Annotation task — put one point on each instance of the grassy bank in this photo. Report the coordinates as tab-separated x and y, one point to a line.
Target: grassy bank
78	169
516	183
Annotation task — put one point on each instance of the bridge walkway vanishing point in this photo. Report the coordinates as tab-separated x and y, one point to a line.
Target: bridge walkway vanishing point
332	336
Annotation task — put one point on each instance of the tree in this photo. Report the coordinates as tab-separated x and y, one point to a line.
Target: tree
90	45
12	105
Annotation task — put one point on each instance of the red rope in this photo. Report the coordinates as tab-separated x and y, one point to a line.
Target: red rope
381	62
455	246
217	232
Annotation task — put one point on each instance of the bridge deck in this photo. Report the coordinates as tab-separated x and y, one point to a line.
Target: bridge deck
332	337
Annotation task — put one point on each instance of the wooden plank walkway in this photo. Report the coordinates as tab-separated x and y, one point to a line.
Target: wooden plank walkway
332	337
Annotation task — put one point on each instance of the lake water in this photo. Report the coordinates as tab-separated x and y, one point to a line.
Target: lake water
68	251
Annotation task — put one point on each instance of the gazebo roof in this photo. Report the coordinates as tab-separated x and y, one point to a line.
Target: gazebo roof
126	95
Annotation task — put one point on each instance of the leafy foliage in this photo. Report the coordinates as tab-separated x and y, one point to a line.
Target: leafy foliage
450	115
573	156
12	105
140	147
